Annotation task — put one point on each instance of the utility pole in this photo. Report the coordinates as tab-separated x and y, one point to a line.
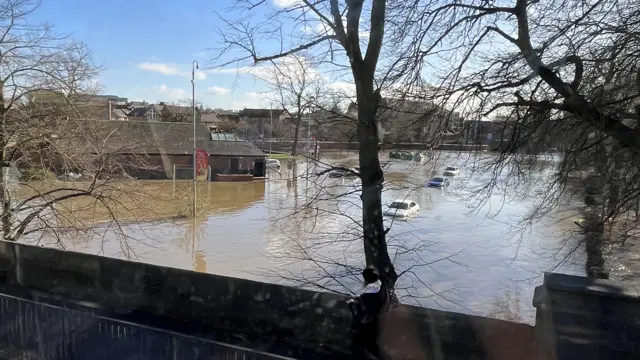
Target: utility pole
270	126
195	149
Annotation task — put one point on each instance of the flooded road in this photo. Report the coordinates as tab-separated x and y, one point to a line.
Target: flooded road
453	255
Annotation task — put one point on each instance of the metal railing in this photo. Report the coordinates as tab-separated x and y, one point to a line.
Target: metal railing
31	330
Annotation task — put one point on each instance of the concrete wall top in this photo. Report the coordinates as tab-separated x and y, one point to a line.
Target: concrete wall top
586	319
268	317
588	286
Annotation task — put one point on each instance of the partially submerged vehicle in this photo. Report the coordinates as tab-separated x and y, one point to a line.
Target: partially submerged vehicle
451	171
438	182
273	164
402	208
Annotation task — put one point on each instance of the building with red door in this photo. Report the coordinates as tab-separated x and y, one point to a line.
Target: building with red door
156	150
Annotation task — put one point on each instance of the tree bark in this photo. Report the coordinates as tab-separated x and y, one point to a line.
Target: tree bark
7	216
296	133
375	244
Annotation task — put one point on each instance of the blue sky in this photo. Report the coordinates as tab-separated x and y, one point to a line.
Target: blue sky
146	48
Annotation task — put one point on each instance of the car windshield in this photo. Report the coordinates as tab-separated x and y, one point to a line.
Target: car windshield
437	179
399	205
449	168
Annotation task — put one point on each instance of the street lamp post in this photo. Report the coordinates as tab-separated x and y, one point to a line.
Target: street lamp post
193	104
270	126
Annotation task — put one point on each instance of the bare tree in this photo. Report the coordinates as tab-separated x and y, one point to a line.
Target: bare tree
47	92
296	88
565	75
336	39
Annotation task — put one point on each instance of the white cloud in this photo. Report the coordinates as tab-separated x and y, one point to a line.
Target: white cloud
286	3
170	69
216	90
165	69
257	71
170	94
252	100
343	87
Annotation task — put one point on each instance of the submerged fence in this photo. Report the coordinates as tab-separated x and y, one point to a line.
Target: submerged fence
32	330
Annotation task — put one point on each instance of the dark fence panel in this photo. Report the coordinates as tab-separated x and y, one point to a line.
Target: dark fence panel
32	330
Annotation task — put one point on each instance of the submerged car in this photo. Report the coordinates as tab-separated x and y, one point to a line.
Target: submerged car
451	171
273	164
338	173
402	208
438	182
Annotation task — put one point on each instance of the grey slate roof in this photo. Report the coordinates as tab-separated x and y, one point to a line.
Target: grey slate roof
144	137
259	113
208	118
138	112
118	113
176	109
229	144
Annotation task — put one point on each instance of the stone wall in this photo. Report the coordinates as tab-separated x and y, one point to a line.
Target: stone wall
586	319
272	318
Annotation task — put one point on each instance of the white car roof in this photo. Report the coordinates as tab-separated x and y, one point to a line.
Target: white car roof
406	201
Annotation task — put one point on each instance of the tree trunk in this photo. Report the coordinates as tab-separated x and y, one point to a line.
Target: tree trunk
7	218
375	244
594	219
296	132
594	236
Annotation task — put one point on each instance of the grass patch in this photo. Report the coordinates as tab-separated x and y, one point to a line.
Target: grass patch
285	157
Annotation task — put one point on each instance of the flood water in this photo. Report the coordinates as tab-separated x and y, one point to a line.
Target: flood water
453	255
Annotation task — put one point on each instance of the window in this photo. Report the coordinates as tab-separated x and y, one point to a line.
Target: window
399	205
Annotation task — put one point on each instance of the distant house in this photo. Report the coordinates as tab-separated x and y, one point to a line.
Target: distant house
152	150
77	106
259	123
151	112
328	125
175	113
407	120
132	105
221	120
119	114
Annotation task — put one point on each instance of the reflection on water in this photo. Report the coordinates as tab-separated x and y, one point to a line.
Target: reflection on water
199	261
453	256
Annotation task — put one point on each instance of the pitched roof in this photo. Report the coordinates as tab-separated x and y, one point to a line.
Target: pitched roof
144	137
118	113
156	107
138	112
260	113
229	144
176	109
208	118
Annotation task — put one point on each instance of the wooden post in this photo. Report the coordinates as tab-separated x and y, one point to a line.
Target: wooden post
174	181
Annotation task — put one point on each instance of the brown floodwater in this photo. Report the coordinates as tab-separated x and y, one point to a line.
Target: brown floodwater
453	255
